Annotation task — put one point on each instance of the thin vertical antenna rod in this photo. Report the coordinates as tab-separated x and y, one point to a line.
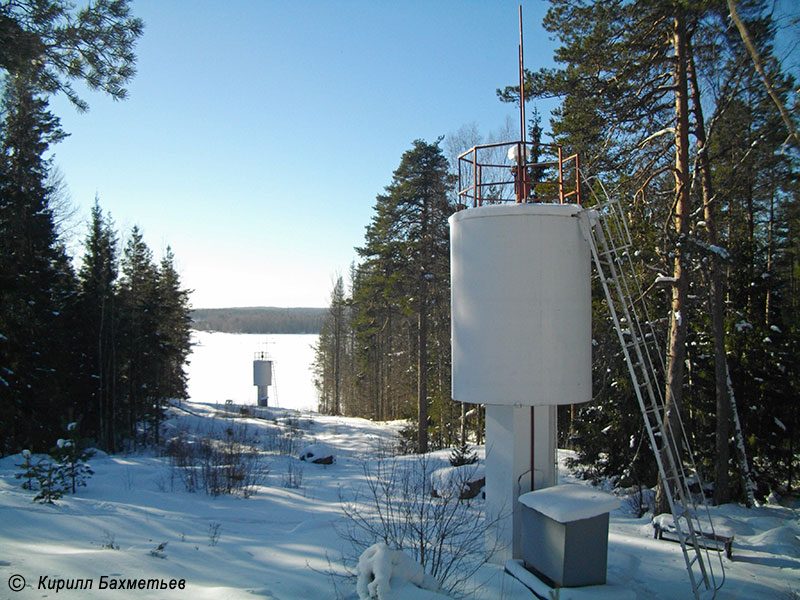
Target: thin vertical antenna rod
521	84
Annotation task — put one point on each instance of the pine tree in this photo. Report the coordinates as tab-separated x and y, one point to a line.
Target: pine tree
53	44
630	79
756	179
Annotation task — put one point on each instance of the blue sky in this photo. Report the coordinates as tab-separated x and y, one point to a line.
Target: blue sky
257	134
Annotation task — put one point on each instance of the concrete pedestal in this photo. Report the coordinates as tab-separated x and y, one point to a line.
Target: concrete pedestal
263	398
520	456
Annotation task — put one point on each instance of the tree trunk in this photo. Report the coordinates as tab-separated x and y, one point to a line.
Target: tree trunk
716	299
676	351
422	380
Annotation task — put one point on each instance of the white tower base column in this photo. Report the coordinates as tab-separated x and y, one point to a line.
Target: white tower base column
508	474
543	445
520	457
263	398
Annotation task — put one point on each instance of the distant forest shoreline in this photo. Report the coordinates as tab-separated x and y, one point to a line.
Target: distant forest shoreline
259	319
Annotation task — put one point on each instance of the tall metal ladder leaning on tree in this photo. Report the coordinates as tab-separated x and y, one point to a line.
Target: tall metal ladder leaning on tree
606	229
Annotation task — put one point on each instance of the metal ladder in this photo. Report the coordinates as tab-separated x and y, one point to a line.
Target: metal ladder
605	228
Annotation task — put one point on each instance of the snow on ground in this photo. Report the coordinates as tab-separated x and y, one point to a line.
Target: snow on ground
277	543
268	545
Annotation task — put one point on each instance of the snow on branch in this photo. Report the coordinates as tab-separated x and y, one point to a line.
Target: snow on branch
648	139
380	568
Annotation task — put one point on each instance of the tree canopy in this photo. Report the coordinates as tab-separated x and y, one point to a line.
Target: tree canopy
53	44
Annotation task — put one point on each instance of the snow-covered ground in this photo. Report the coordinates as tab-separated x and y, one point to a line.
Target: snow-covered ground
278	542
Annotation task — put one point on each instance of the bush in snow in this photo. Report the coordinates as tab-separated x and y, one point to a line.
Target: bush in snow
379	566
284	438
218	462
395	506
293	478
462	455
158	551
214	531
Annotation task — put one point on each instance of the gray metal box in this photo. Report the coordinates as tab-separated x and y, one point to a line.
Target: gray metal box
565	534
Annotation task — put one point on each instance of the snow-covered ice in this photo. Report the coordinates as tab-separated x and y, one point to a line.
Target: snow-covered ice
221	368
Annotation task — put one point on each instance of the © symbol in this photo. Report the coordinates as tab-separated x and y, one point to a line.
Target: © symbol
16	583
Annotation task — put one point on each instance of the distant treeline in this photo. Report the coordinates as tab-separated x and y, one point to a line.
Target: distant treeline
259	319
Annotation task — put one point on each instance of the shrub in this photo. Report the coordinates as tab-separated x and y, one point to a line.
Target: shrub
293	478
445	535
226	463
461	455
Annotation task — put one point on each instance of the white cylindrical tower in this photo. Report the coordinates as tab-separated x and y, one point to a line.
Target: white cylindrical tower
262	378
521	305
521	338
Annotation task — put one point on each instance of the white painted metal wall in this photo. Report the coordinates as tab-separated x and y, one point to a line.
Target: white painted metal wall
521	305
262	372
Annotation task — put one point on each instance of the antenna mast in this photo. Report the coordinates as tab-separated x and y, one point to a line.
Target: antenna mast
521	84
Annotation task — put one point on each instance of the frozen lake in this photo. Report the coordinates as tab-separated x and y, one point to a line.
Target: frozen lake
221	368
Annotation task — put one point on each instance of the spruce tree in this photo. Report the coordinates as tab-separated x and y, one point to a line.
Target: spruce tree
173	334
406	256
36	279
99	315
331	351
138	335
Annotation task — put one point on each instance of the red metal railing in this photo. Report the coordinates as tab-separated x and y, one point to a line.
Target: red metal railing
515	172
